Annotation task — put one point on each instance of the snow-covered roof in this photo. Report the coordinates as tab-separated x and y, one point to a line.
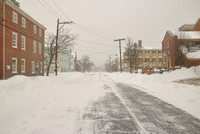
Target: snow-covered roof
186	27
185	34
193	55
149	48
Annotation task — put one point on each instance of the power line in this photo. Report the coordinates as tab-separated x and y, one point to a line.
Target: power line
105	34
48	9
92	32
60	10
95	43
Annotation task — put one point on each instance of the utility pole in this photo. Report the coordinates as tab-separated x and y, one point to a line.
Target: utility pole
75	62
120	53
57	32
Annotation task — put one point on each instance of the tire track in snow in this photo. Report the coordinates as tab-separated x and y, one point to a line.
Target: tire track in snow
142	129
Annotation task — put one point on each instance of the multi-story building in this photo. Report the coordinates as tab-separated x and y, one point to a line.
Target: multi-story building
21	42
65	62
182	48
145	57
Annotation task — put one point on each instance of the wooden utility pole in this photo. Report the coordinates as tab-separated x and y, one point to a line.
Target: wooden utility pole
75	62
57	32
56	57
120	52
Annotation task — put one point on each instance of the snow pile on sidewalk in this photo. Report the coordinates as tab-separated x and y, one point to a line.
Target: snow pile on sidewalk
183	96
45	105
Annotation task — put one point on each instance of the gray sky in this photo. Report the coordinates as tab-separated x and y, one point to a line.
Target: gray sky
147	20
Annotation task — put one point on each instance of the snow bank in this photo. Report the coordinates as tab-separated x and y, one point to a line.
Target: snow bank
45	105
185	97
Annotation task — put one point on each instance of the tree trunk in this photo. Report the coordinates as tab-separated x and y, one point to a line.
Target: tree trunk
49	64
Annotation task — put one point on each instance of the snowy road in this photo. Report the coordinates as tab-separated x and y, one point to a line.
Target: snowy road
90	103
127	110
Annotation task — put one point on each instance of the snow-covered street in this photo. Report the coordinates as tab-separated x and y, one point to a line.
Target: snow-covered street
88	103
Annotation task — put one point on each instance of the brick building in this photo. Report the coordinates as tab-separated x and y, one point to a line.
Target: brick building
180	48
21	42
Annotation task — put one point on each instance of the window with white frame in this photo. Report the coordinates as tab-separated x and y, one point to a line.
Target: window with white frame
159	52
14	40
160	59
34	46
14	65
154	60
23	64
14	17
40	48
146	51
41	67
34	29
167	44
147	59
140	59
154	51
40	32
23	22
33	67
23	42
139	51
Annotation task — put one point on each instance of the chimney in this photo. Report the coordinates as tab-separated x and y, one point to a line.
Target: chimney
135	44
140	43
15	2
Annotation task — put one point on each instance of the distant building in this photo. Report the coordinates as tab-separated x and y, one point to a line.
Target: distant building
21	42
65	63
146	57
191	27
181	48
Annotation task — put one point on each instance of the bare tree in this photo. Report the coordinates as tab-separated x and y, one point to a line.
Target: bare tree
131	55
65	41
86	64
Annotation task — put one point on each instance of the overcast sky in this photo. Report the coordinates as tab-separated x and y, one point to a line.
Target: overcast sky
102	21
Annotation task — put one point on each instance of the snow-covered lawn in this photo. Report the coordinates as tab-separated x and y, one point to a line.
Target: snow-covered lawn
183	96
49	105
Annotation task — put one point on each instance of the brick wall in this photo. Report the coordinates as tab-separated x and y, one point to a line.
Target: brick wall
1	42
197	26
18	53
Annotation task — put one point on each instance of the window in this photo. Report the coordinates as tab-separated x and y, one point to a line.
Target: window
154	60
14	65
40	48
190	43
146	51
167	44
41	67
159	52
23	22
33	67
14	17
139	51
34	46
40	32
159	59
23	42
140	59
147	59
154	51
34	29
23	65
14	40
